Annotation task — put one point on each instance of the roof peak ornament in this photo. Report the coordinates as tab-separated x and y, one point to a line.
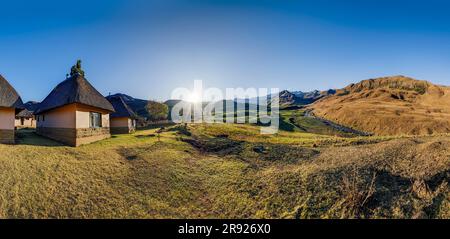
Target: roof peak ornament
76	69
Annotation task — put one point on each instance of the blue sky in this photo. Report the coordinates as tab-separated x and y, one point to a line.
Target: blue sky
147	48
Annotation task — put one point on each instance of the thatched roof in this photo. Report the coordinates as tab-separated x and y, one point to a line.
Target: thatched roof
29	108
121	108
25	114
75	89
9	97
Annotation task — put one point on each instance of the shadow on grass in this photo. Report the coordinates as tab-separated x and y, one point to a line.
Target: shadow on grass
29	137
145	136
156	126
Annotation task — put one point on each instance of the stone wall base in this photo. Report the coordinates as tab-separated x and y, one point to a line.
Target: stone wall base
122	130
7	136
74	137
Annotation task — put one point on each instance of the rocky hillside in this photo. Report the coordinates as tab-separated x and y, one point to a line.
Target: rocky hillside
137	105
288	98
395	105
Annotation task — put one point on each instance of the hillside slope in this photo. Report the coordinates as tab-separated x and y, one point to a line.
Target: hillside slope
396	105
297	98
137	105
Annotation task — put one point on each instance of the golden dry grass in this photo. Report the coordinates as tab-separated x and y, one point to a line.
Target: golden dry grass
390	106
141	176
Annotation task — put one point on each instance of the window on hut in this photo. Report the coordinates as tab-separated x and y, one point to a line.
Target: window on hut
95	120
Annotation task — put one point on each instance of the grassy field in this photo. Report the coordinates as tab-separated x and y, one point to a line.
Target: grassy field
295	120
226	171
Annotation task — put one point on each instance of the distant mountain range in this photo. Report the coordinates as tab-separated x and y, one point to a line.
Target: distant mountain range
297	98
137	105
286	98
31	106
228	104
383	106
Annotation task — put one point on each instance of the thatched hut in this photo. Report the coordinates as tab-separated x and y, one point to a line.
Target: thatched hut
74	113
26	118
10	103
123	121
